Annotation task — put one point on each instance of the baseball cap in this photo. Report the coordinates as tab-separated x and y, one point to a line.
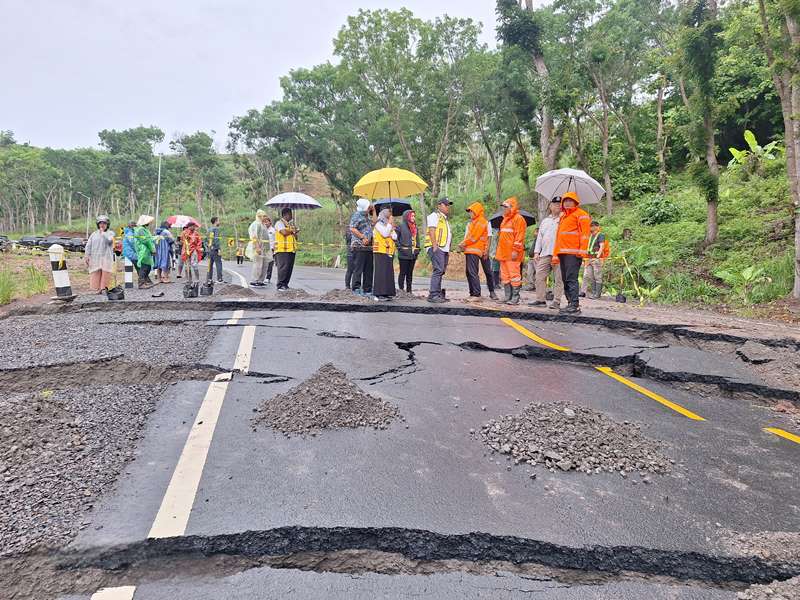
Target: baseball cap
444	200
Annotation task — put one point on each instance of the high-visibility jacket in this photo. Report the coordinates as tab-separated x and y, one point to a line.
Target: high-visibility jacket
285	243
603	251
476	238
574	229
381	244
442	233
512	234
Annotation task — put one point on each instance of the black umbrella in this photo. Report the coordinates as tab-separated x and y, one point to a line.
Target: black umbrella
497	218
397	205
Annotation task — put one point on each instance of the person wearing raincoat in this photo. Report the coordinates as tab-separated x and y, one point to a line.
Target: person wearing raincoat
511	249
129	245
572	243
164	243
145	248
99	255
192	252
476	251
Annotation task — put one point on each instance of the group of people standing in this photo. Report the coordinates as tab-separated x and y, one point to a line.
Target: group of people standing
566	239
270	245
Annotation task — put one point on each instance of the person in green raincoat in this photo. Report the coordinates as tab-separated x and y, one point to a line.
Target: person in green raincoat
145	248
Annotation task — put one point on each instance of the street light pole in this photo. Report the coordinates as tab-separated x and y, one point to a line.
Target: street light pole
158	190
88	208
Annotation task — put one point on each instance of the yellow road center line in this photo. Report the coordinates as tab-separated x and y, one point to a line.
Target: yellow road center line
529	334
237	314
124	592
176	506
784	434
676	407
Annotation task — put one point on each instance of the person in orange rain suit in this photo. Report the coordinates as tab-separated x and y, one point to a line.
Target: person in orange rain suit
511	250
476	251
572	243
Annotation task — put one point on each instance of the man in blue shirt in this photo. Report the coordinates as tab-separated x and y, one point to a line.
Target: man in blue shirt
214	256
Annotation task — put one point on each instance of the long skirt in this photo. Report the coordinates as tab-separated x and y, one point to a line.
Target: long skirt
383	285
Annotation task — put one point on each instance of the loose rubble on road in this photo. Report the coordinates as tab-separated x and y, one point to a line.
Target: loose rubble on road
326	400
567	437
772	545
61	450
777	590
294	294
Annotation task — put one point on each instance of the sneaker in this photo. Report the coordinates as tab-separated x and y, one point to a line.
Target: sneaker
269	281
256	284
554	306
582	295
537	303
437	300
570	310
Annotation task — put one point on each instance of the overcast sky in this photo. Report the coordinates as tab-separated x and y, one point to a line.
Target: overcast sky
73	67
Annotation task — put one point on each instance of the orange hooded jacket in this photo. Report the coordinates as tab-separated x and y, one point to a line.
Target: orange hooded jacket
476	239
574	229
512	233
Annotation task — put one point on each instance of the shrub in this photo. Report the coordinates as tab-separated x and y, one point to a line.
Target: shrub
35	281
657	209
7	287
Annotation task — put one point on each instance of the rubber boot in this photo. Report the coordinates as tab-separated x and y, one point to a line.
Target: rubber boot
507	289
598	289
514	296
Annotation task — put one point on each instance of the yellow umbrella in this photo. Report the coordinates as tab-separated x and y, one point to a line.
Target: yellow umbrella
389	183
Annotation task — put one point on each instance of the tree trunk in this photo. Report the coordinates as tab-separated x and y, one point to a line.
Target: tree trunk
712	227
547	144
661	141
606	166
628	135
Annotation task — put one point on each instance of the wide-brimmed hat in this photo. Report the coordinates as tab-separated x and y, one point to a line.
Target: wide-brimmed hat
145	220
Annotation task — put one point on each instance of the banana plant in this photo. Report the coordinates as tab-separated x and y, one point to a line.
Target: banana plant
743	281
752	159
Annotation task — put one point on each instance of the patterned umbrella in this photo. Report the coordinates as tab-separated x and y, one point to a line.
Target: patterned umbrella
181	221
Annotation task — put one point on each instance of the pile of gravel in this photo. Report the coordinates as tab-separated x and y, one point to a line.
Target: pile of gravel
769	545
61	450
236	290
293	294
777	590
326	400
344	296
566	437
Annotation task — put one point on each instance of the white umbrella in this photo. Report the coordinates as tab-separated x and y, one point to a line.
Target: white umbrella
560	181
293	200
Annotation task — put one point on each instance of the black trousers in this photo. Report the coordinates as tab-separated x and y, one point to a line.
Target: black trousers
348	274
362	271
214	263
570	267
272	264
144	273
406	273
473	274
239	260
285	263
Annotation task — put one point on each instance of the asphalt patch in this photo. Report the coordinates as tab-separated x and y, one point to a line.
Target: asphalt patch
326	400
568	437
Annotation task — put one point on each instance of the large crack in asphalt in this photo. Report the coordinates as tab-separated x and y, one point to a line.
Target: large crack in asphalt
633	365
115	369
407	367
389	550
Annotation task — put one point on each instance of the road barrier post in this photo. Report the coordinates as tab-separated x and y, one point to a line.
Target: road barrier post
128	273
58	265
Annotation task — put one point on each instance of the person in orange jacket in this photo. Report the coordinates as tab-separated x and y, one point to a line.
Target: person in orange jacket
476	251
511	250
572	243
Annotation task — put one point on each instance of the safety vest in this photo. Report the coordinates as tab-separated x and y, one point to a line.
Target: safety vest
442	233
603	251
284	243
382	245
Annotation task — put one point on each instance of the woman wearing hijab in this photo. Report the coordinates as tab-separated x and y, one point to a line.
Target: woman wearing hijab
383	246
407	249
164	243
99	255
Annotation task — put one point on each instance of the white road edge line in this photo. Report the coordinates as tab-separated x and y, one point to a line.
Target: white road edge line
176	506
239	275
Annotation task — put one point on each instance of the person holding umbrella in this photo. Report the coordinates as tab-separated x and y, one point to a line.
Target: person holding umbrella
285	248
383	247
543	257
361	228
511	249
476	251
572	243
437	243
191	251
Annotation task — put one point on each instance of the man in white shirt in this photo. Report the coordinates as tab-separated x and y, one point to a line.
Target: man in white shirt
437	243
271	238
543	256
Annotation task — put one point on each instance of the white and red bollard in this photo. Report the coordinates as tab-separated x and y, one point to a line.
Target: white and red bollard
58	264
128	273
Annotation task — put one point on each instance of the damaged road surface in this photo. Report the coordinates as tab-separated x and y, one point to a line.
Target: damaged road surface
425	505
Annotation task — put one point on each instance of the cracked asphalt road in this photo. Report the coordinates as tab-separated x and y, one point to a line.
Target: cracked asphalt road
429	474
